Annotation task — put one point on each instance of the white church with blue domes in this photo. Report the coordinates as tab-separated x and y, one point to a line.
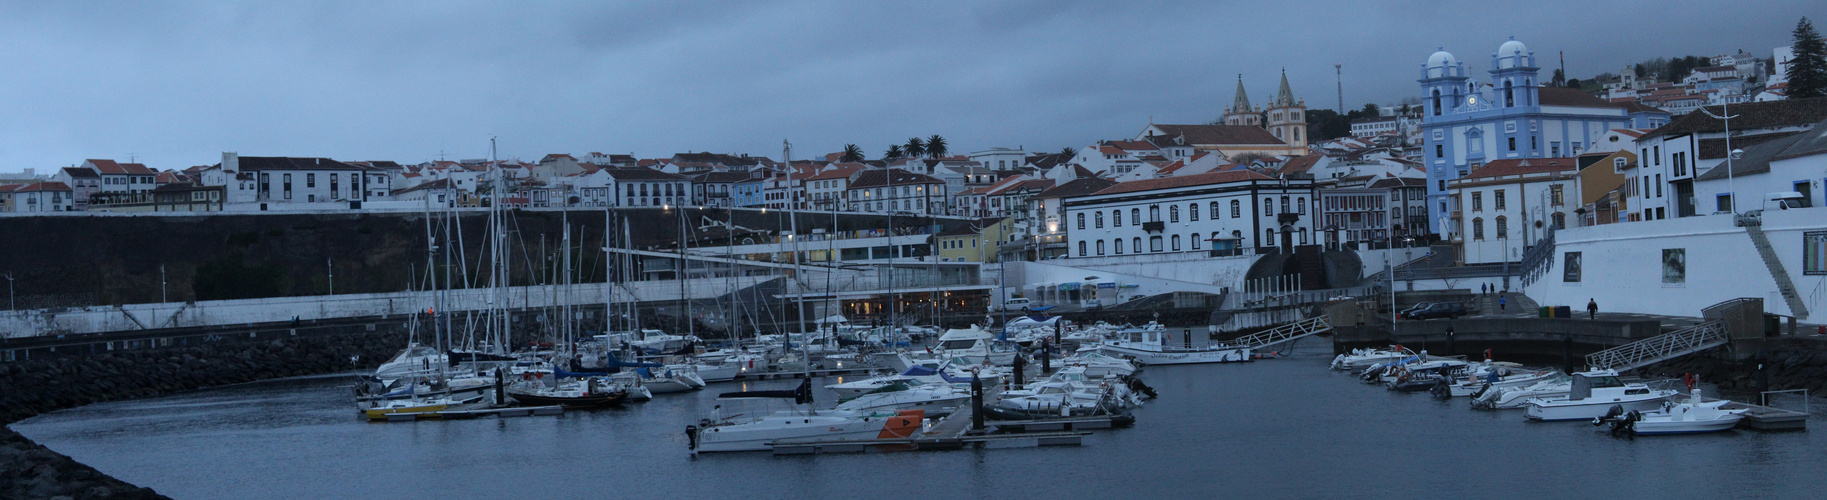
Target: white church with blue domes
1468	123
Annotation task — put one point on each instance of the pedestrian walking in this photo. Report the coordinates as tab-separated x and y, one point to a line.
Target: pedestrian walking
1503	303
1592	309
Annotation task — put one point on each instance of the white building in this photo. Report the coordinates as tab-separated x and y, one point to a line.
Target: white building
874	191
1792	164
1235	210
1672	155
1366	127
646	187
1000	158
279	179
1507	205
122	177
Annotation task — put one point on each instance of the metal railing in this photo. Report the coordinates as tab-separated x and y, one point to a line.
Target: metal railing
1539	259
1659	348
1284	333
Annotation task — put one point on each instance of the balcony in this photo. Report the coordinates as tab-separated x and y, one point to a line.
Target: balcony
1154	227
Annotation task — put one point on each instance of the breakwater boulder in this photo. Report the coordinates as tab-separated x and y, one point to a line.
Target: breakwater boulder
30	387
1786	365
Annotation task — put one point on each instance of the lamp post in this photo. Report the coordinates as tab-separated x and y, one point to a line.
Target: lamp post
1731	191
10	305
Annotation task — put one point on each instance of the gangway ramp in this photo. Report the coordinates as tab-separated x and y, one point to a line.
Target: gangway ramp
1659	348
1284	333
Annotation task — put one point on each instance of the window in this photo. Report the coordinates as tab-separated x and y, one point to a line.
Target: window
1116	218
1477	229
1497	199
1554	148
1193	239
1118	244
1477	202
1725	202
1303	236
1081	221
1439	151
1554	194
1236	209
1268	206
1560	220
1176	243
1154	213
1100	219
1300	204
1081	249
1657	151
1100	247
1173	213
1436	102
1135	217
1617	165
1192	211
1284	204
1268	237
1154	243
1135	245
1532	144
1214	210
1503	227
1658	185
1442	184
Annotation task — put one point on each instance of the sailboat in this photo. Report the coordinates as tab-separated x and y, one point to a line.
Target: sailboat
741	432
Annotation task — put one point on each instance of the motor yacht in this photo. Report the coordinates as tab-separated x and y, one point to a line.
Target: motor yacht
1692	417
748	431
1145	345
975	345
938	400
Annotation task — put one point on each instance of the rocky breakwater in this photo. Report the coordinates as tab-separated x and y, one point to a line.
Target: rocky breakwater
1786	364
35	386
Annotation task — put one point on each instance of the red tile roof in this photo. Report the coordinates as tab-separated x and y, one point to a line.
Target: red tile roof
1180	182
113	168
1300	164
41	186
1498	168
1133	145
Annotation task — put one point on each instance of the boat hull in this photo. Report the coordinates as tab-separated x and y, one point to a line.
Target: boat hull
1178	357
786	430
1557	410
576	403
1654	428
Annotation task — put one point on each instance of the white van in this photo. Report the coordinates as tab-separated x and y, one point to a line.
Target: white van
1015	305
1785	200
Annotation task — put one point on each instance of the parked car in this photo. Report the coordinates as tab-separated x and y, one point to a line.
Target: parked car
1013	305
1439	310
1404	312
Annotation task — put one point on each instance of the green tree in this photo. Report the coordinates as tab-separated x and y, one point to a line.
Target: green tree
894	153
1372	111
852	153
1559	80
1808	70
1573	83
1067	154
915	148
935	146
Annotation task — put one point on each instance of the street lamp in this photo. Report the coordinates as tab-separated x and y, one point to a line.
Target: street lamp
10	306
1731	192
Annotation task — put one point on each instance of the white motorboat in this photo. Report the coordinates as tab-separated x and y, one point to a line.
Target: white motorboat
416	360
1494	379
1509	398
974	344
1098	364
1145	345
929	372
1693	417
743	432
1592	394
1359	359
937	400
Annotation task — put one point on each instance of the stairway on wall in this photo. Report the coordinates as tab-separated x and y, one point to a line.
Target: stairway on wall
1312	267
1777	271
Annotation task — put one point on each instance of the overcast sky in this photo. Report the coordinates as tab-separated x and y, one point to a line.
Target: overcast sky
175	84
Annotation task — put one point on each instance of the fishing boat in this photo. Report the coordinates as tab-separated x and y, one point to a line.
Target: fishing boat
1145	345
1692	417
743	432
1592	394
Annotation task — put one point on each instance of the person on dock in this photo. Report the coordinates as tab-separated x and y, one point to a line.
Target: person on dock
1592	308
1502	303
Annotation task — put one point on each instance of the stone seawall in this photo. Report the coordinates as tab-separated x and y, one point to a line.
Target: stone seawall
31	387
1789	363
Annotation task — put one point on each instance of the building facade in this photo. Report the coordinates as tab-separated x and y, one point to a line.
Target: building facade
1191	214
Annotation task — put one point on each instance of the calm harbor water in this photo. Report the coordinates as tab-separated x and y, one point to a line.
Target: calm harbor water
1278	428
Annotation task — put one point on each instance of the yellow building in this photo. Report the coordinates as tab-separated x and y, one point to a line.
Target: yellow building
1605	185
974	243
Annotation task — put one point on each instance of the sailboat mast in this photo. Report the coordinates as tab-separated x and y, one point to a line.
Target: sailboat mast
691	327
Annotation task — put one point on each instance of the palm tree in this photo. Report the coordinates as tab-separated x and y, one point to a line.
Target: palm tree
1067	154
852	154
915	148
894	153
935	146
